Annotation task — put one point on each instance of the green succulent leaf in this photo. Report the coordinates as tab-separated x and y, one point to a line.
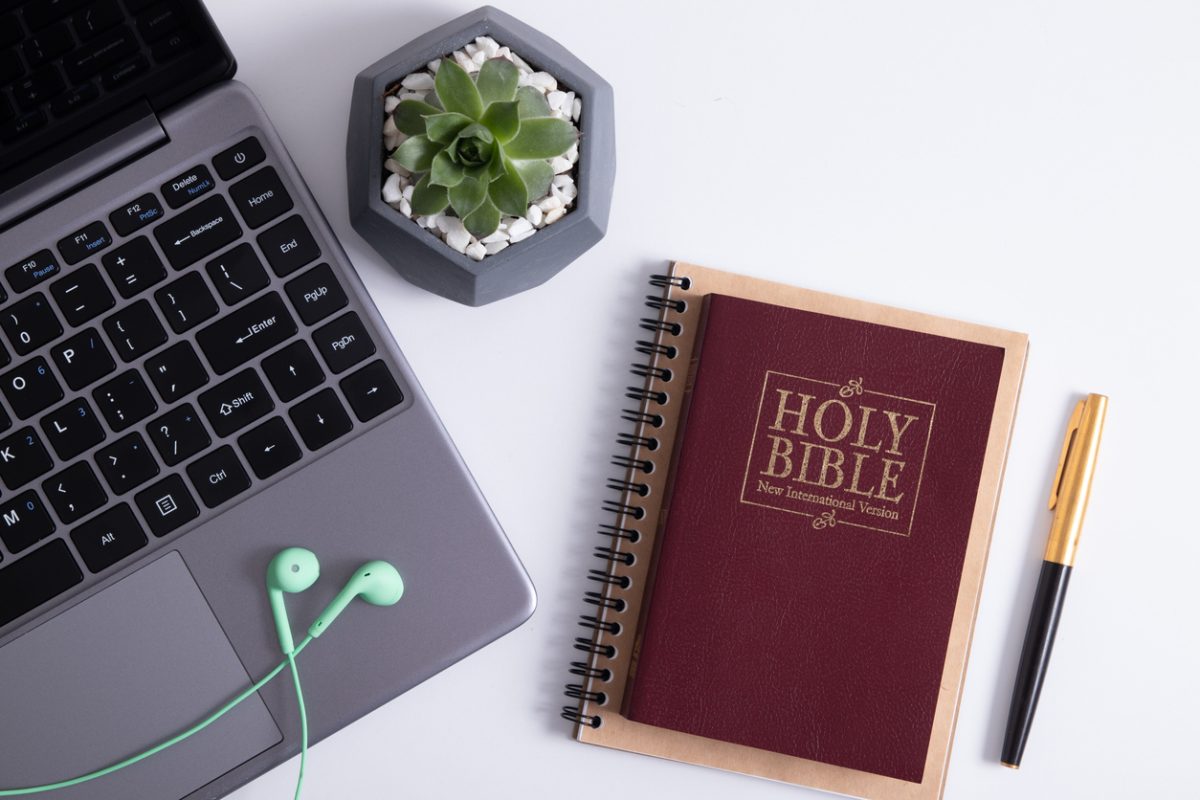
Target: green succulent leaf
503	120
474	146
536	175
457	91
541	137
429	199
467	195
497	81
509	194
445	172
416	153
484	220
443	127
532	103
410	115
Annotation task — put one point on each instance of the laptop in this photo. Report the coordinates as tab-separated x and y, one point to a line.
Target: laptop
192	377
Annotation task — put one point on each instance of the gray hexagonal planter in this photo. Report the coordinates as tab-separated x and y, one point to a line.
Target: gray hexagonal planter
423	258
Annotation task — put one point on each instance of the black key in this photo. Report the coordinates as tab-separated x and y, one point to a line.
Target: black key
30	387
178	435
110	537
84	242
247	332
11	67
261	197
31	271
82	295
48	44
99	53
239	158
23	458
134	266
119	76
75	492
218	476
35	579
183	189
72	429
233	404
135	330
316	294
5	420
137	214
344	342
293	371
21	127
126	463
186	302
288	246
30	323
237	274
371	391
41	13
270	447
320	419
173	46
97	18
198	232
74	99
83	359
124	400
38	88
157	22
10	28
167	505
176	371
24	522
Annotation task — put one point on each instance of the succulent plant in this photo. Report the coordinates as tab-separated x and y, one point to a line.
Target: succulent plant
485	150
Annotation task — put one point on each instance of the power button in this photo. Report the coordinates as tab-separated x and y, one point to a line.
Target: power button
239	158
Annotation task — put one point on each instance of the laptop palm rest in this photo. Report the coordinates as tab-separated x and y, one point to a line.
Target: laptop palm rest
123	670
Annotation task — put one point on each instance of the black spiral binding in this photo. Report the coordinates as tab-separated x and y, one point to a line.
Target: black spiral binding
625	505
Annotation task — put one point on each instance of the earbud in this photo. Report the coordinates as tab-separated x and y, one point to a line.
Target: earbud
292	570
376	582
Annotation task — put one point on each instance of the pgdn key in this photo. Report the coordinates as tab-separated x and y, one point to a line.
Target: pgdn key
246	333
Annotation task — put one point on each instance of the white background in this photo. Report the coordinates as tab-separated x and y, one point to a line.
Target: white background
1030	165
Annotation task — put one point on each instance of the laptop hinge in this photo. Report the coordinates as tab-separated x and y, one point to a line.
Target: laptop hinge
115	142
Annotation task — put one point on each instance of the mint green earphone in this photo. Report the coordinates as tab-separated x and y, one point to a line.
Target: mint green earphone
292	570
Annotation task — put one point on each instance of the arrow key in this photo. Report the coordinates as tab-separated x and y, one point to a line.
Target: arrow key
320	419
371	391
270	447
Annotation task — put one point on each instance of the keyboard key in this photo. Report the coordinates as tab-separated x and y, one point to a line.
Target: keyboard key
73	429
110	537
86	241
239	158
135	330
158	22
119	76
99	53
198	232
5	420
288	246
24	522
23	458
185	188
233	404
316	294
82	295
38	88
371	391
36	579
124	400
261	197
22	126
75	99
83	359
269	448
126	463
173	46
137	214
167	505
246	333
10	28
75	492
48	44
179	434
344	342
30	323
293	371
40	13
186	302
134	266
237	274
30	387
320	419
11	67
176	371
218	476
97	18
31	271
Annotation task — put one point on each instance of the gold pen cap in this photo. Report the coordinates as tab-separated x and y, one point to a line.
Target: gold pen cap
1073	480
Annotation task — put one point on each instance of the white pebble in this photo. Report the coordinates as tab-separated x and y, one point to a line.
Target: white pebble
432	66
504	52
560	165
389	127
404	207
534	215
457	236
567	192
495	247
476	251
520	229
544	81
498	236
555	215
471	49
488	45
572	155
576	109
521	63
389	104
418	82
413	96
463	60
408	192
556	99
391	189
429	221
479	58
562	180
549	203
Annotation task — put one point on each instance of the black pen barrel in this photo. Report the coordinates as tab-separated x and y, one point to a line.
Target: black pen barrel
1035	656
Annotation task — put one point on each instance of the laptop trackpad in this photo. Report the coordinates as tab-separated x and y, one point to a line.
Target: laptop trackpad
117	674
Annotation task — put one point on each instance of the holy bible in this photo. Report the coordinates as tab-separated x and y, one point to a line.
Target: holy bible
799	544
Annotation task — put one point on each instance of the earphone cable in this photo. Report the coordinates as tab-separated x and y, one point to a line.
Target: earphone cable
303	722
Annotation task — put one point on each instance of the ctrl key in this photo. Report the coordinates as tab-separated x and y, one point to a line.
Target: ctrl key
218	476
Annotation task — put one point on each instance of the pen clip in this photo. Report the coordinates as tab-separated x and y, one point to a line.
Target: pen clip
1068	440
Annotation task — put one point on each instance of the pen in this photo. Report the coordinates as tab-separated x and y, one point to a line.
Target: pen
1068	501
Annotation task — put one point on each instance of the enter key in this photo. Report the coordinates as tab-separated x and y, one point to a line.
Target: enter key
246	333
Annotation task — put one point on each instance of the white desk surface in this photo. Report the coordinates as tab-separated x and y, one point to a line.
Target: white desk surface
1031	165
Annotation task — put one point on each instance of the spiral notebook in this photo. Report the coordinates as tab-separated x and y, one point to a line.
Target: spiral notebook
794	562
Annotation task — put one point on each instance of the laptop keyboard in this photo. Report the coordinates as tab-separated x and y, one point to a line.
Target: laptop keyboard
163	361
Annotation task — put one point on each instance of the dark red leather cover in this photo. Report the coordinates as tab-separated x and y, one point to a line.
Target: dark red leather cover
808	568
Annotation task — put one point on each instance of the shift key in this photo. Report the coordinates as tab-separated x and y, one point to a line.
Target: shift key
198	232
246	332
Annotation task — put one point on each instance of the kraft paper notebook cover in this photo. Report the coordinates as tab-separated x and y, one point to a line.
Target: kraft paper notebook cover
795	565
